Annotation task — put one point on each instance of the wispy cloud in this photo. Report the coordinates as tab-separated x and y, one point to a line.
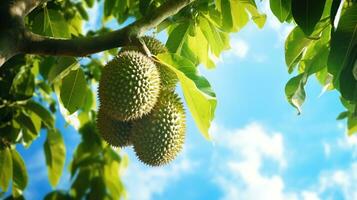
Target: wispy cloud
239	47
240	174
340	183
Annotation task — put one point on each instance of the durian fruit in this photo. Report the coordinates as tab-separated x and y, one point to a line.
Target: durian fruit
159	137
129	86
114	132
168	77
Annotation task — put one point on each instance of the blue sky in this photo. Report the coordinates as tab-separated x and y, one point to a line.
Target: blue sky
261	148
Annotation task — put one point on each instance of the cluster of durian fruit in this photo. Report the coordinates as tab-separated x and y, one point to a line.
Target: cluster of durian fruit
139	106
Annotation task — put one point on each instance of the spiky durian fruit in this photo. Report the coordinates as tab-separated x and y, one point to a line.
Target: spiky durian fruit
159	136
129	86
168	77
114	132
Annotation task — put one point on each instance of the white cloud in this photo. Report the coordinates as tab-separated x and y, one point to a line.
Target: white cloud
154	180
327	149
344	181
239	47
348	143
308	195
239	173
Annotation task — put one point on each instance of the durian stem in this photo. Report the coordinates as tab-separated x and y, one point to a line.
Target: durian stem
31	43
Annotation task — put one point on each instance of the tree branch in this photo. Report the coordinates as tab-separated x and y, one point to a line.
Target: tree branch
36	44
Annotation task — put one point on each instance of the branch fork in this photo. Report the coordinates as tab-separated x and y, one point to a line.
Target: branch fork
16	39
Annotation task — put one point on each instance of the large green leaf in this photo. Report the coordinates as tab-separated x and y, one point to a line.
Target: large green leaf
280	8
5	168
343	42
177	37
225	9
199	47
40	111
111	173
27	122
307	13
73	88
98	188
61	68
20	177
23	84
82	182
348	81
351	125
295	43
295	92
108	7
217	42
89	3
236	14
82	11
55	154
51	23
198	95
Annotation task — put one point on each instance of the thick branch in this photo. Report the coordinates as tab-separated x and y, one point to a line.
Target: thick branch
36	44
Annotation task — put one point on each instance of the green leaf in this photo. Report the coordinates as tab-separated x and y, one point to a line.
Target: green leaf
226	15
259	19
177	37
89	101
342	115
294	91
73	86
20	177
26	122
280	8
55	154
239	15
199	48
50	23
98	188
75	25
57	195
108	7
40	111
348	82
198	95
63	66
89	3
23	84
307	13
82	11
317	60
295	43
333	11
351	125
343	44
26	125
216	42
5	168
82	182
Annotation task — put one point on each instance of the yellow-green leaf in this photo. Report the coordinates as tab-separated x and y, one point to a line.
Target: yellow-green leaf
5	168
199	97
55	154
20	177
